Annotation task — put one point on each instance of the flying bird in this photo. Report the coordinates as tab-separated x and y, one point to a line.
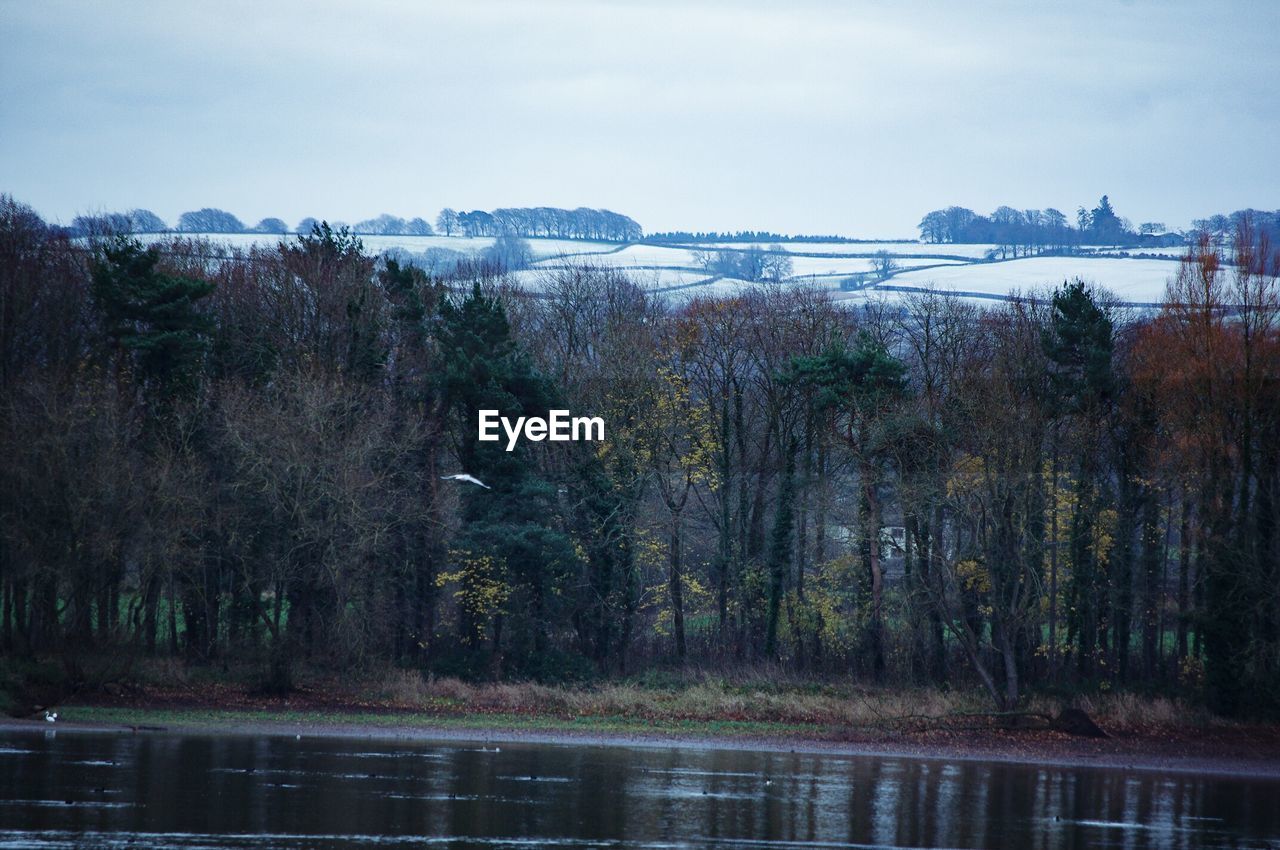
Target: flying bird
462	476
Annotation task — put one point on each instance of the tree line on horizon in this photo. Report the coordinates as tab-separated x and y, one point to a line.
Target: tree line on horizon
1026	232
1014	232
757	236
547	222
241	458
542	222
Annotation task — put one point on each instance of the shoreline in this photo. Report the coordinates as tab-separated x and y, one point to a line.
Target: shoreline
1138	753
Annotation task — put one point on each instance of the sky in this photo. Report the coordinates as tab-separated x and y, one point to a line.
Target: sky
851	118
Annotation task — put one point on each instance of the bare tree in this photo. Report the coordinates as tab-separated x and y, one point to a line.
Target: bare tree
884	265
777	265
447	222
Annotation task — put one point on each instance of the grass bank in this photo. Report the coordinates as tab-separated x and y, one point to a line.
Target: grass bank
214	718
750	701
750	709
778	700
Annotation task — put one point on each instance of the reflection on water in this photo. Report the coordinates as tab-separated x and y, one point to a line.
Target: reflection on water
64	789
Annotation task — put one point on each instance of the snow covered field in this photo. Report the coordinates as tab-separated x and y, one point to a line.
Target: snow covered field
825	266
676	272
1163	251
567	247
723	288
373	244
1133	281
414	244
902	249
653	255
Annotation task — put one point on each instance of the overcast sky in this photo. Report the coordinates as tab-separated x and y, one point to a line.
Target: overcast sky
853	118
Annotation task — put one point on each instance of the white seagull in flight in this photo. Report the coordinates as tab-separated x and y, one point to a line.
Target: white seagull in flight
462	476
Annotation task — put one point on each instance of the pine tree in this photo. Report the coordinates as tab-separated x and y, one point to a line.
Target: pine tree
1079	343
154	317
512	527
861	385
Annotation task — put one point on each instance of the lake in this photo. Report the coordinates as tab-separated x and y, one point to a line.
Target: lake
65	789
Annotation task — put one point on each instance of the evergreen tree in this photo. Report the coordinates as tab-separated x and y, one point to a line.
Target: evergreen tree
154	317
417	414
860	385
340	274
1105	225
1078	344
512	530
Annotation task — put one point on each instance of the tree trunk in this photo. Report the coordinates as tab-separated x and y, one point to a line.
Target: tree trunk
871	498
676	585
936	540
1008	699
780	551
1151	551
1132	499
724	540
151	610
1184	578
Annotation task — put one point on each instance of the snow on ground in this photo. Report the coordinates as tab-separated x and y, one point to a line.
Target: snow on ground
633	256
661	267
654	255
414	244
565	247
806	266
827	266
243	241
723	288
1161	251
1133	281
863	297
906	249
421	244
728	287
372	244
667	278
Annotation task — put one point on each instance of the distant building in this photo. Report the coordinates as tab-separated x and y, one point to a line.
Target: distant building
1162	240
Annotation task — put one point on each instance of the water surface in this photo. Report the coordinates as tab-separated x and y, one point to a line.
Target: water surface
79	790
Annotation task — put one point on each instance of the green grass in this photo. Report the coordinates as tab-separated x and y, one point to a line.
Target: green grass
226	719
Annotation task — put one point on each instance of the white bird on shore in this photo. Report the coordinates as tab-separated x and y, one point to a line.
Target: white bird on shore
462	476
51	716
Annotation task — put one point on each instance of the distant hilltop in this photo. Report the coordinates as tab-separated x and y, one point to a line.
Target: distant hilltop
1016	232
598	225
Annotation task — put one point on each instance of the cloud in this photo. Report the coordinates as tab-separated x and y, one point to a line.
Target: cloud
850	117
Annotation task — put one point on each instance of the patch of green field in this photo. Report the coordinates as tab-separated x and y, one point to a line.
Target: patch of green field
229	720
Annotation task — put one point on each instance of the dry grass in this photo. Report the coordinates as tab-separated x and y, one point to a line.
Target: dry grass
766	698
1132	711
699	700
760	695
